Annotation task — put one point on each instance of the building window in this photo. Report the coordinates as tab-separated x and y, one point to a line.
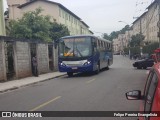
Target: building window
54	20
59	12
63	14
66	16
69	17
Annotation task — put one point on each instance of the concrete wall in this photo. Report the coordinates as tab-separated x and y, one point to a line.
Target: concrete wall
55	59
22	60
2	62
43	60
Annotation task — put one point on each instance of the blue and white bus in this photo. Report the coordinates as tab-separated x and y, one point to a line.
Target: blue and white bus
84	53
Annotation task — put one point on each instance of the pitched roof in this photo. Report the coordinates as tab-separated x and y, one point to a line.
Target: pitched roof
84	24
50	2
139	17
152	4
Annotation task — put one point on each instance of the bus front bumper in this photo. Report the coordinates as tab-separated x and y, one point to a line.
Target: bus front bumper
85	68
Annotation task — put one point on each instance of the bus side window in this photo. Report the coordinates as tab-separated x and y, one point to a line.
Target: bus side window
101	45
97	44
94	45
107	46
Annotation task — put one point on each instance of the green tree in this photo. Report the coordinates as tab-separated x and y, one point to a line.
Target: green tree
136	40
123	30
33	25
58	30
112	36
106	36
115	34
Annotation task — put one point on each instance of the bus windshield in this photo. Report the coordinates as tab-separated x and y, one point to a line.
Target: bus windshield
75	47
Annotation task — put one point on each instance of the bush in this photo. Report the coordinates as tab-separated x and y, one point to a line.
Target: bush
135	50
146	49
150	48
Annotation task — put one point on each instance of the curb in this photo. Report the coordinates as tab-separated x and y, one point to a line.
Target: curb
28	84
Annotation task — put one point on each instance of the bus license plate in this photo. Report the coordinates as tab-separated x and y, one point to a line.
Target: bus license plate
74	68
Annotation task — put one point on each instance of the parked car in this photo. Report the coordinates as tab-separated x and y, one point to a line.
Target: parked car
144	63
150	99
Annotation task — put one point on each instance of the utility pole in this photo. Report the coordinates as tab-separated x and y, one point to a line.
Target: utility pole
141	46
2	22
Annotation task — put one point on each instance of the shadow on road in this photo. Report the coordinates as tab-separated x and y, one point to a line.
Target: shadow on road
87	74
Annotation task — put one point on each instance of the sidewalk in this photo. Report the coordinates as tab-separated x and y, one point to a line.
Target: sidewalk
15	84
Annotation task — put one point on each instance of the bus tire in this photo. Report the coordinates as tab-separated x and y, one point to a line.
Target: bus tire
107	68
70	74
98	69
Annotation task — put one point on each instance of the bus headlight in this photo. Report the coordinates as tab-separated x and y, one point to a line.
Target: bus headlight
62	64
87	63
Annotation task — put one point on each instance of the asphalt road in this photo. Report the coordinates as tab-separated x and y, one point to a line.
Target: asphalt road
83	92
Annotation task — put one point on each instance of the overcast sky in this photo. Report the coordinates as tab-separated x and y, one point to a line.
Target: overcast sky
103	15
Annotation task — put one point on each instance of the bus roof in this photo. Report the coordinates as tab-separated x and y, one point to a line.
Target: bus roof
87	36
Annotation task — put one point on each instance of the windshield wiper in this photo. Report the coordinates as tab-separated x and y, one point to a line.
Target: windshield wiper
79	51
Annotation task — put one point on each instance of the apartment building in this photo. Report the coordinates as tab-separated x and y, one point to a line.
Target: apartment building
13	7
136	26
126	38
153	18
121	39
147	23
56	11
143	25
116	45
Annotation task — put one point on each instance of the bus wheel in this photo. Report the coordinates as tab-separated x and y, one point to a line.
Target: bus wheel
107	68
70	74
98	69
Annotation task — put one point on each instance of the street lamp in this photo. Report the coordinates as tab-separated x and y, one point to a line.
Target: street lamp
128	38
123	22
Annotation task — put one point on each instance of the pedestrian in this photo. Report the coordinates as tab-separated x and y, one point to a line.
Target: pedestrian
34	63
